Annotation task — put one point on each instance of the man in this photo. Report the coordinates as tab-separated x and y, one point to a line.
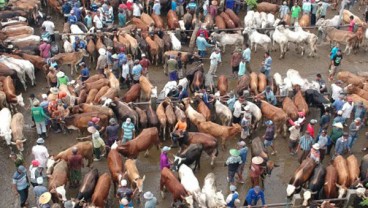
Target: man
323	142
84	72
145	63
122	17
325	121
77	12
78	44
305	145
72	19
336	133
347	108
322	83
256	170
75	164
233	162
125	192
192	7
156	9
45	49
338	103
268	95
151	201
128	130
183	93
336	90
180	8
40	153
351	24
61	79
39	189
307	7
215	60
88	20
235	61
266	69
165	162
101	61
180	134
284	10
353	131
202	45
209	82
20	185
310	127
39	117
172	68
295	13
35	172
269	136
136	71
112	132
335	63
359	111
17	159
294	138
232	197
314	13
246	124
322	10
253	195
243	150
66	9
338	118
247	56
137	9
125	74
242	68
49	27
342	145
238	110
315	154
97	19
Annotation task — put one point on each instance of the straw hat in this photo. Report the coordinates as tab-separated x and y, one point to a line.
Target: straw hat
234	152
36	102
338	125
91	129
45	198
316	146
60	74
148	195
102	51
257	160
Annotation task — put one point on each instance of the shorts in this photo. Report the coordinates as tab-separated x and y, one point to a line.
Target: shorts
293	143
241	168
235	69
268	143
75	175
231	175
333	69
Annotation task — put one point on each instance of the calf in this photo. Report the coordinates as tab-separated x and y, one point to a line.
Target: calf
80	121
133	174
190	155
191	185
170	182
88	185
342	175
101	190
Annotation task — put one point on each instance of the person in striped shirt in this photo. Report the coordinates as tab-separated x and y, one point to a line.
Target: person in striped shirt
305	145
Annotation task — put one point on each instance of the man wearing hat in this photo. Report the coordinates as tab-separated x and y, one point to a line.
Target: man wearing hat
238	110
342	145
338	103
128	130
51	77
61	78
310	127
156	9
72	19
40	153
305	145
151	200
35	172
253	195
268	95
232	197
338	118
79	44
44	200
284	10
233	162
17	159
84	72
246	124
124	192
136	71
336	133
202	45
269	136
315	154
243	150
20	185
39	189
172	68
293	138
75	164
359	111
39	118
256	170
215	60
354	128
97	141
101	61
347	108
112	132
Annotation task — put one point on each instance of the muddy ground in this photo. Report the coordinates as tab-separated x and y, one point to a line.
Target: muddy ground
275	185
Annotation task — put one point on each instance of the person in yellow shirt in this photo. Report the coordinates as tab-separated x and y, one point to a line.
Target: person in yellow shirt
179	134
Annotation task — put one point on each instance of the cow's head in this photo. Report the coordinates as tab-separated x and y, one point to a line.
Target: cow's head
306	196
50	165
220	199
7	136
59	192
342	191
188	200
154	92
177	162
19	144
107	102
139	183
20	100
201	199
290	190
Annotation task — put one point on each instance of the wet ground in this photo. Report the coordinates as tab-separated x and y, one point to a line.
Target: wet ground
275	185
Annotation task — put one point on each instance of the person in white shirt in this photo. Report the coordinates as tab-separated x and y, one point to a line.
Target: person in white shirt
49	27
293	138
40	153
137	8
125	74
238	110
97	19
215	60
347	108
336	90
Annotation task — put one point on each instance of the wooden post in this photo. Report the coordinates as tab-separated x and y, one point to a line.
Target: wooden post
193	38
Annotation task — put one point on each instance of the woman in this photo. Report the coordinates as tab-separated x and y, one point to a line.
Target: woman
164	159
21	185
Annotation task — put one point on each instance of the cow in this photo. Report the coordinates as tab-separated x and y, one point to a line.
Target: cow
158	20
315	183
5	124
316	99
169	181
101	192
208	142
258	149
57	181
262	82
220	22
98	84
202	108
153	50
147	89
152	117
290	108
122	110
213	199
340	36
267	7
224	39
192	114
300	103
342	175
228	21
352	89
88	185
192	154
222	84
186	58
170	114
133	175
142	117
353	168
277	115
116	168
329	187
218	131
234	17
191	185
257	38
350	78
143	142
160	111
85	149
70	58
243	84
17	125
224	113
172	20
88	108
301	175
132	94
80	121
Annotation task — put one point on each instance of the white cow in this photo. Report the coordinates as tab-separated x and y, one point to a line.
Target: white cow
257	38
280	39
191	184
75	30
176	44
223	112
21	74
224	39
257	19
256	113
299	38
249	19
366	40
68	46
27	66
5	130
213	198
295	78
333	22
311	39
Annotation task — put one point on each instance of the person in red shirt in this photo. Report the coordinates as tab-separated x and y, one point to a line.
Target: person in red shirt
75	164
256	170
351	24
45	49
145	63
310	127
204	31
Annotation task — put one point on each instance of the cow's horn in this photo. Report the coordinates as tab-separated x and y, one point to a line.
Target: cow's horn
13	143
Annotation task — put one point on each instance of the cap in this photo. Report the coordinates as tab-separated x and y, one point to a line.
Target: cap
35	163
74	149
316	146
91	129
148	195
60	74
338	125
357	120
313	121
36	102
123	182
54	90
44	96
102	51
257	160
136	61
112	121
143	55
339	112
301	113
82	63
268	88
234	152
39	180
166	149
232	188
128	120
40	141
115	56
124	201
95	119
241	143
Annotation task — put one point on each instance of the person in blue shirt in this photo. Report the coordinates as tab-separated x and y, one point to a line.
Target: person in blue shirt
202	45
325	121
231	101
254	194
338	103
232	198
84	72
88	20
20	184
173	5
136	71
269	95
78	44
77	12
333	53
267	65
122	57
122	18
156	9
183	93
230	4
192	7
359	111
66	9
243	150
72	19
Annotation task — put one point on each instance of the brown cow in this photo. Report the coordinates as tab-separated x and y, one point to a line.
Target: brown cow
80	121
234	17
300	103
99	94
142	117
57	181
350	78
208	22
91	48
203	109
147	19
341	36
96	85
262	82
170	114
198	81
143	142
304	21
85	149
160	111
101	192
133	175
329	188
243	84
153	50
159	23
220	22
172	20
290	108
353	168
208	141
277	115
140	24
82	96
116	168
37	61
152	117
91	95
352	89
9	89
146	88
161	46
301	175
132	94
356	98
94	78
111	93
171	183
222	85
16	125
229	23
218	131
342	174
254	82
15	30
267	7
70	58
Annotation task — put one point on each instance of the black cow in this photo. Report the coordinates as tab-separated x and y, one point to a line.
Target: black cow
317	180
192	154
88	186
316	99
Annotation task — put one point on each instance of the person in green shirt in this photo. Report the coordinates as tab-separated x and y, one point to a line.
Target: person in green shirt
17	159
295	13
122	18
39	118
337	131
2	4
61	79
